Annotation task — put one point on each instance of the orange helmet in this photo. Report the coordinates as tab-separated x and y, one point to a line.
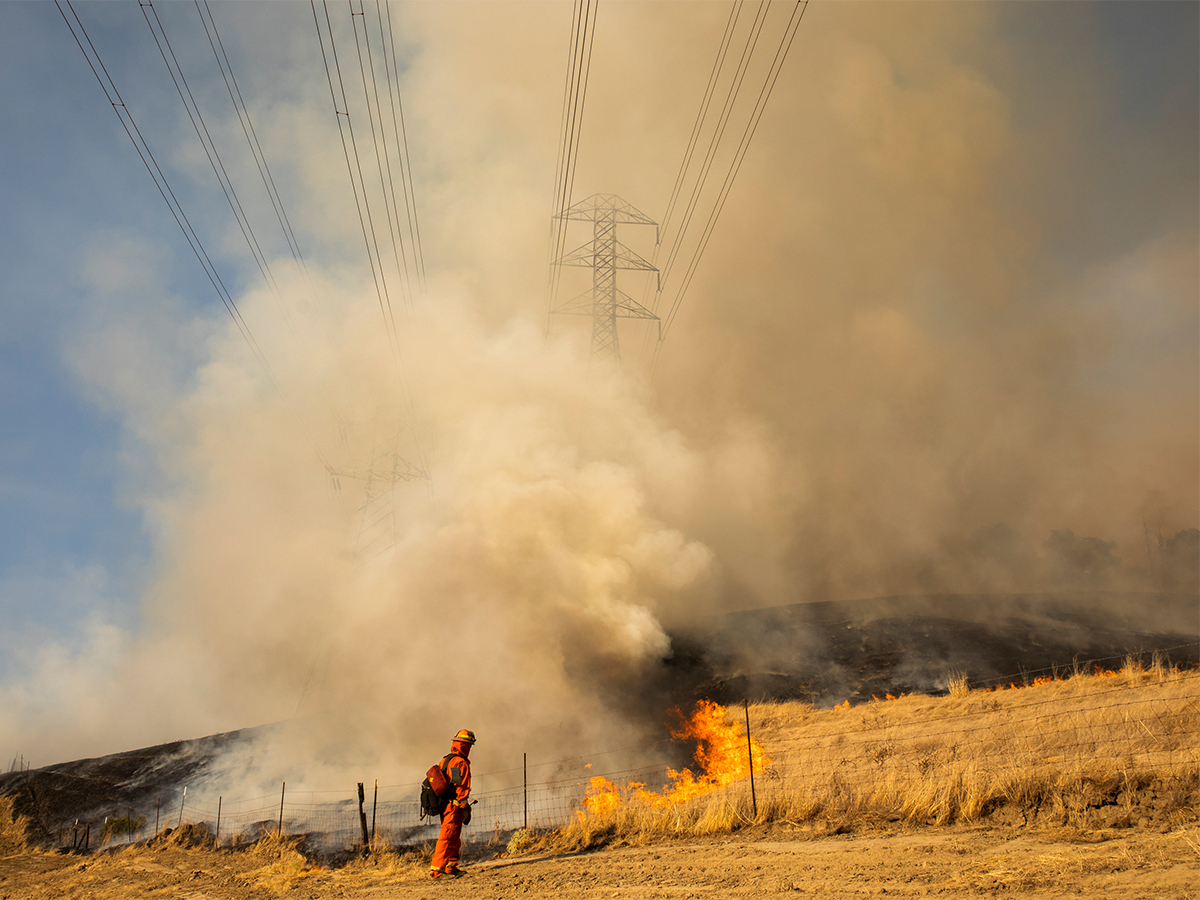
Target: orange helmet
467	737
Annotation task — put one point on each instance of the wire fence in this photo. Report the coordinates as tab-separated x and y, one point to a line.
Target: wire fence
1142	725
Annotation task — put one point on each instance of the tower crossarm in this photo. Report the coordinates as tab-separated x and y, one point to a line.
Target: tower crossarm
622	257
624	306
609	207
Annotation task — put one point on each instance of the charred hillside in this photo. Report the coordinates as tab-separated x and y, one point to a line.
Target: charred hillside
828	652
90	789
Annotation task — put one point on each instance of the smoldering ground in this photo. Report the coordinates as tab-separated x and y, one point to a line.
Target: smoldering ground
947	314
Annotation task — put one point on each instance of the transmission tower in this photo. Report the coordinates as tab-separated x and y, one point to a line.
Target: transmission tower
381	471
604	254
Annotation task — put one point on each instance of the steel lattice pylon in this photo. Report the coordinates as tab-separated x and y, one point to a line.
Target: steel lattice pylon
381	471
604	254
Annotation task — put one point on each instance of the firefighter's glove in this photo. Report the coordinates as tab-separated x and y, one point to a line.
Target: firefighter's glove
467	815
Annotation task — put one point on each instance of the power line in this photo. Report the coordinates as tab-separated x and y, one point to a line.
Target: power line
367	222
113	95
381	159
697	128
385	301
260	159
210	151
764	95
160	180
555	222
406	183
718	133
579	69
789	33
702	114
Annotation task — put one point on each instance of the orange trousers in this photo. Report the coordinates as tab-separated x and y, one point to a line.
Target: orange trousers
449	842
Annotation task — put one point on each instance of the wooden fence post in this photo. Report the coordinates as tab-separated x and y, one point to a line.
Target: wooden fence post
362	817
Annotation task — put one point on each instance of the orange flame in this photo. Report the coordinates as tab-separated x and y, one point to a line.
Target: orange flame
721	755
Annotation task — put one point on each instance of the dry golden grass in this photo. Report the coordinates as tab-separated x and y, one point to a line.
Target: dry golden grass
1081	752
13	839
286	866
388	862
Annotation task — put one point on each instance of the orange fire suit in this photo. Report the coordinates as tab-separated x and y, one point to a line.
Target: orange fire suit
449	842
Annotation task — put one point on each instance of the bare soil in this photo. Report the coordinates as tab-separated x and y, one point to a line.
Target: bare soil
964	861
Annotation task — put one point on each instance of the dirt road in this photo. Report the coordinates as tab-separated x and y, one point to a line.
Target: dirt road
954	862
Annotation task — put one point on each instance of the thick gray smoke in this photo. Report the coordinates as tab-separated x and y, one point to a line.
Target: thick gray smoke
908	365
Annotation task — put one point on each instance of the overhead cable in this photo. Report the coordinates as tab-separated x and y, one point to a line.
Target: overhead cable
710	155
764	95
383	159
406	182
575	97
366	223
556	223
210	150
113	95
260	158
697	128
789	33
362	202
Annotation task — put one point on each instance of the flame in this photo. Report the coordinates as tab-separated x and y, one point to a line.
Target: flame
602	797
721	755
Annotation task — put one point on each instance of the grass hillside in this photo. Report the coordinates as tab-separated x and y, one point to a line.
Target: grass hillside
1092	751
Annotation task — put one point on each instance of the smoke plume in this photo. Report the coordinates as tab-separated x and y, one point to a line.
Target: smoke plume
911	362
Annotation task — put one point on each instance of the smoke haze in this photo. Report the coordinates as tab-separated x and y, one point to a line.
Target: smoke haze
945	338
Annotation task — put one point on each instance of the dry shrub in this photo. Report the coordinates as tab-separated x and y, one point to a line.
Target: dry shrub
287	867
276	845
957	684
522	840
122	826
190	836
13	830
386	859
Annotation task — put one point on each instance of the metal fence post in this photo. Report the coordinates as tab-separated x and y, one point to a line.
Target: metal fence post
217	834
750	754
282	794
525	785
374	806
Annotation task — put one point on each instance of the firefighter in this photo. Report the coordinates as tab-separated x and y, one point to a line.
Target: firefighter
458	809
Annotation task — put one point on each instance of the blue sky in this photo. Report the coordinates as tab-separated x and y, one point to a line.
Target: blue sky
1080	173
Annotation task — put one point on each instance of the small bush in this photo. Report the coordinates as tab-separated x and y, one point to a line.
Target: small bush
122	825
957	683
522	840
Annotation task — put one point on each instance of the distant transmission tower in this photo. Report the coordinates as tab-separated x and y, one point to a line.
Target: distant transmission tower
604	254
380	472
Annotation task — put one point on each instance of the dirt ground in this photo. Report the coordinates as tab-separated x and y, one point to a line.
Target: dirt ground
951	862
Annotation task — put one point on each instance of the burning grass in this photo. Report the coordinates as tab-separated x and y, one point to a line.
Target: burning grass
723	756
1094	751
